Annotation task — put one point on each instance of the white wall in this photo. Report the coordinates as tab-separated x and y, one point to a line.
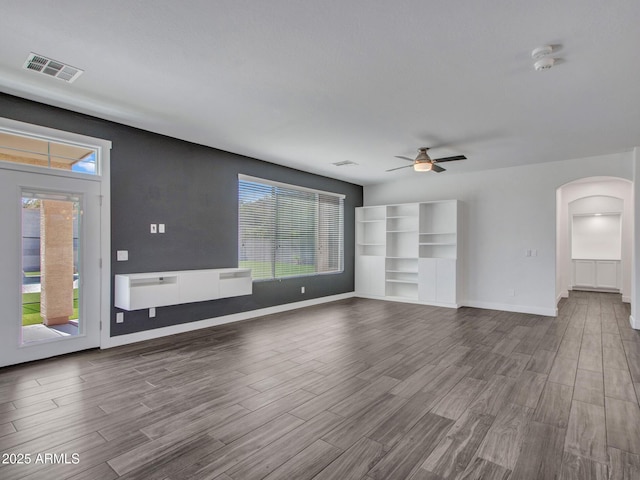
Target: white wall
505	212
635	289
596	237
594	195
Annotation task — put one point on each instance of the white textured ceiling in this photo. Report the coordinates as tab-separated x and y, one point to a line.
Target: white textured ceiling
306	84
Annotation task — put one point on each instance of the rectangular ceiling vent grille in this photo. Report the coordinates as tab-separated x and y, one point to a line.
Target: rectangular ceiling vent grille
344	163
52	68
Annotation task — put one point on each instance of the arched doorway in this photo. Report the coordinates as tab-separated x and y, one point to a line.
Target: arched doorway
587	211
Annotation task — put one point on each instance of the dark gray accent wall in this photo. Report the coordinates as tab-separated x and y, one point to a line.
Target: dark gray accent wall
193	190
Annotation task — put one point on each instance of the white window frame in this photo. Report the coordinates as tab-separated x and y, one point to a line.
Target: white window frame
263	181
55	136
103	175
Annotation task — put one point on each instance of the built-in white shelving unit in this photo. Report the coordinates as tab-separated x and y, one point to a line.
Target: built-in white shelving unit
409	252
135	291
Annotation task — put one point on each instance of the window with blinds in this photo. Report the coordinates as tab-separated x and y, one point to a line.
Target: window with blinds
286	231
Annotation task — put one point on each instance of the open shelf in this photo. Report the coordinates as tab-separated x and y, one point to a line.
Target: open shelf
402	244
153	280
371	214
448	238
405	210
438	251
402	289
371	232
437	217
420	244
402	224
402	277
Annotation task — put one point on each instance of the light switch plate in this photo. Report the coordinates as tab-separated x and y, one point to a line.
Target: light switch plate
161	228
152	312
154	228
120	317
123	255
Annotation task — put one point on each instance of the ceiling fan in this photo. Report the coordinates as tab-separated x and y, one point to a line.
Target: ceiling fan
424	163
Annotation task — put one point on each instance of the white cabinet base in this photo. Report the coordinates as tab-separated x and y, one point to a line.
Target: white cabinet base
597	274
136	291
370	275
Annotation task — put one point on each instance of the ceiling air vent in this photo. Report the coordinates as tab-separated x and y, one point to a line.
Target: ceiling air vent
52	68
345	163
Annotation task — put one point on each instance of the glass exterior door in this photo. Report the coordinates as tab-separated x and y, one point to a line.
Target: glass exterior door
51	272
51	283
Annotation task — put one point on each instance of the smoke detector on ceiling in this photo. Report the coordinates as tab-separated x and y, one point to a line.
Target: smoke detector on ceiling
541	52
544	63
51	68
543	58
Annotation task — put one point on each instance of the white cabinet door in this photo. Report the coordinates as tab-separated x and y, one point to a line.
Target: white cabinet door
198	286
446	280
584	273
607	274
370	275
437	277
596	273
427	279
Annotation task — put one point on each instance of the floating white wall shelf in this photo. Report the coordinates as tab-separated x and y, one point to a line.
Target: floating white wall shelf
135	291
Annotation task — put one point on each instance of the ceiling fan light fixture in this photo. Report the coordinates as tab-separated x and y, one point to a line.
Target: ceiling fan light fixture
422	166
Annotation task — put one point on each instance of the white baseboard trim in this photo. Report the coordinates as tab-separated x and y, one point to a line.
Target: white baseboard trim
563	294
212	322
547	312
634	323
408	300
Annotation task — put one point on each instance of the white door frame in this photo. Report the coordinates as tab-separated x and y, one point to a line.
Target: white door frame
103	148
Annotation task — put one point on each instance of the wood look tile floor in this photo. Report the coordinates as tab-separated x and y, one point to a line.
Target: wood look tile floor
356	389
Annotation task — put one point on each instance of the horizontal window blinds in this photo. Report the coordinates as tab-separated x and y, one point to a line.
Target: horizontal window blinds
288	231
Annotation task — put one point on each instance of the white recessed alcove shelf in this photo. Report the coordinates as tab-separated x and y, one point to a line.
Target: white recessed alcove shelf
136	291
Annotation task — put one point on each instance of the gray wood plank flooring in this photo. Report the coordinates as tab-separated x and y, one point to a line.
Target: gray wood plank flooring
356	389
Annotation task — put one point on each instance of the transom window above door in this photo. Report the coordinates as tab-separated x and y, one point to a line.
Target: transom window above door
42	152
